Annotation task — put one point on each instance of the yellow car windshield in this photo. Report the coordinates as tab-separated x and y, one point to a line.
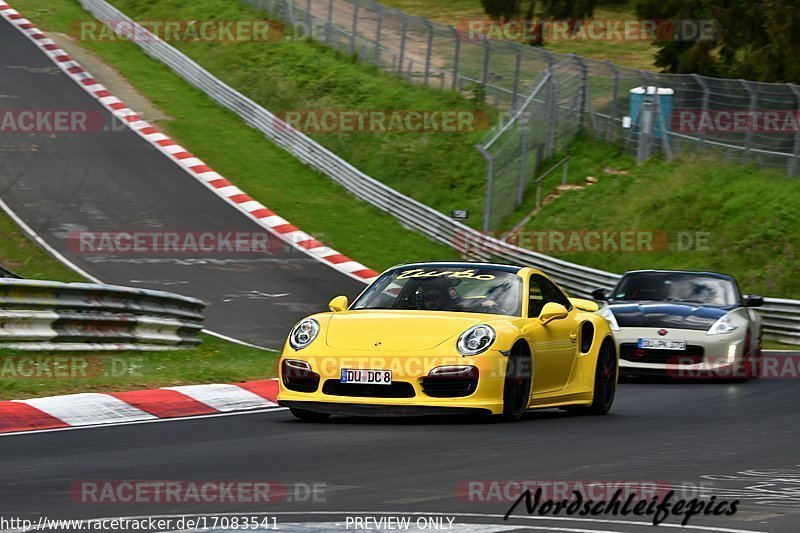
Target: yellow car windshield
458	289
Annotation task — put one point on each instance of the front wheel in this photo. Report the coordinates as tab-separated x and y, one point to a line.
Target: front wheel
309	416
517	387
605	382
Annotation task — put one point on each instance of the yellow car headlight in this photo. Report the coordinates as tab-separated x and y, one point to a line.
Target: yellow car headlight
476	340
304	333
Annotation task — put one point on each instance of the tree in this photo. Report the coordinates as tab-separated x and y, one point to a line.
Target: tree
757	39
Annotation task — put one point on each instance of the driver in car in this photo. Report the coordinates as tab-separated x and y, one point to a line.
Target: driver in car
443	295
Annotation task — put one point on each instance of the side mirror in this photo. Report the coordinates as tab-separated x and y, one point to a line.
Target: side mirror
584	305
600	294
338	304
552	311
752	300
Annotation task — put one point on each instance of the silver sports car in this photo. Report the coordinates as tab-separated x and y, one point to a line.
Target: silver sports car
683	324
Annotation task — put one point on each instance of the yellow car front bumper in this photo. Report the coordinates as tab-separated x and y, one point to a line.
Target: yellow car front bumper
412	391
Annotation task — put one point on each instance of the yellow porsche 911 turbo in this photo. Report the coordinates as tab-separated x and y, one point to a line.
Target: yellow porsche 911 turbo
451	338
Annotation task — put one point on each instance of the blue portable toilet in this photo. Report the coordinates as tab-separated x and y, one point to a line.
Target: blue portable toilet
665	96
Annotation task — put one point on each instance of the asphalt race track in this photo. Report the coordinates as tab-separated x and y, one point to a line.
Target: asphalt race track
734	440
114	181
730	441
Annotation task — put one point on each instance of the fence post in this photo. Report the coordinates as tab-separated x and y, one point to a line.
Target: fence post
523	155
645	117
660	120
748	140
792	166
456	57
329	22
552	123
517	68
487	207
485	75
290	11
701	134
309	20
429	51
583	88
402	45
614	101
378	31
565	177
354	27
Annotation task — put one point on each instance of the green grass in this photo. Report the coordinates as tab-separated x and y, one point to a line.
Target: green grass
215	361
272	73
752	230
25	258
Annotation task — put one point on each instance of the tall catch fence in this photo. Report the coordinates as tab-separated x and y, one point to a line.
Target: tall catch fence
736	119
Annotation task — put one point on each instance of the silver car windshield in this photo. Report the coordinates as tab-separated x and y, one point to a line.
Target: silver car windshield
677	287
467	290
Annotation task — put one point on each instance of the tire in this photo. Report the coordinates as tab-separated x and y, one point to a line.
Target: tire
605	383
309	416
517	386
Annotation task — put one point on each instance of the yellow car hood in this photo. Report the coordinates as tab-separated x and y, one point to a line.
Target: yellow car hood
397	330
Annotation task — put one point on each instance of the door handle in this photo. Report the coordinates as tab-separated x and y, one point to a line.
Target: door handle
573	336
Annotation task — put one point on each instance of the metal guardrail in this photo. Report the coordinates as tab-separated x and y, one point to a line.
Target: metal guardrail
6	273
579	280
47	315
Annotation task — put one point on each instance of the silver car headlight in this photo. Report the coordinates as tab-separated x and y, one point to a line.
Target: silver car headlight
476	339
304	333
608	314
721	326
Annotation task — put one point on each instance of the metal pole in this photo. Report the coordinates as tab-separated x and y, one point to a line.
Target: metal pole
645	116
485	74
402	45
354	28
523	157
378	31
456	57
748	141
792	166
487	206
566	171
309	20
329	22
517	68
614	101
660	118
429	51
582	90
291	12
702	134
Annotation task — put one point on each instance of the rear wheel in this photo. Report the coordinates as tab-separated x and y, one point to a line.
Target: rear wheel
309	416
517	387
605	382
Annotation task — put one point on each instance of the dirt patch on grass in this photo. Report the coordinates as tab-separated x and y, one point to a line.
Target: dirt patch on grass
111	78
